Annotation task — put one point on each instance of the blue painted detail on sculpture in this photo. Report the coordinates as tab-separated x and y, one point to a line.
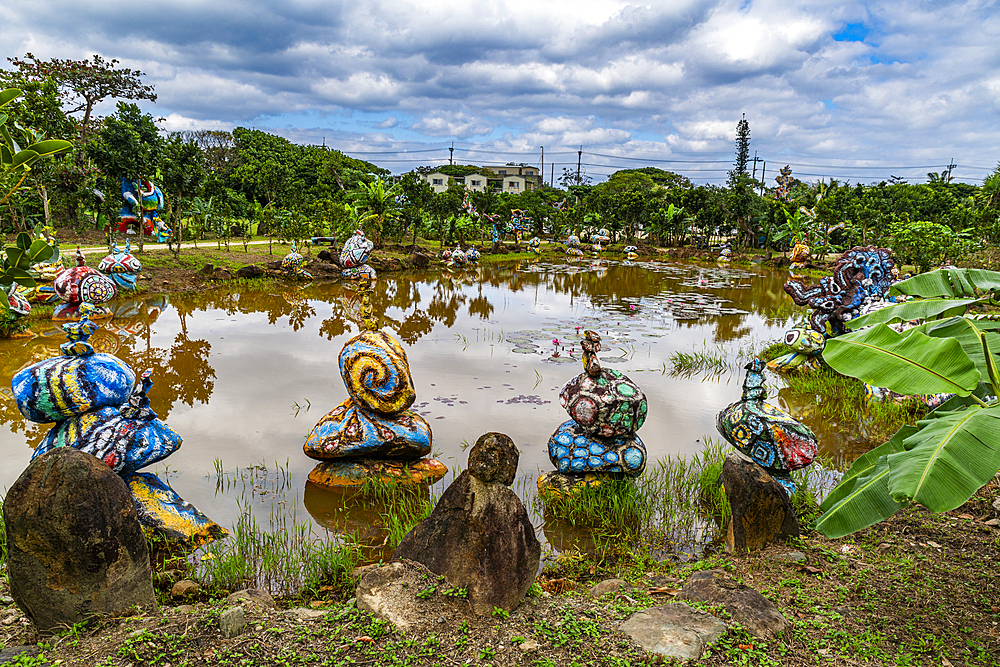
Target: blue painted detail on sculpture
72	384
571	449
778	442
148	199
861	275
122	267
349	431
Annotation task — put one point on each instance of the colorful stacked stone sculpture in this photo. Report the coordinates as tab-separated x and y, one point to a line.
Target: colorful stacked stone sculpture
860	276
602	236
122	267
784	180
535	245
630	252
573	246
457	257
373	435
800	255
606	409
146	198
725	254
472	255
293	264
774	439
357	250
806	347
82	285
99	407
520	221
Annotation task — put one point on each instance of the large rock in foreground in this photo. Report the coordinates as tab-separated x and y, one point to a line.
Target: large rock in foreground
762	512
751	609
479	535
75	547
673	630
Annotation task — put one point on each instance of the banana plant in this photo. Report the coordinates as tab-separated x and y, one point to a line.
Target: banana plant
13	158
945	458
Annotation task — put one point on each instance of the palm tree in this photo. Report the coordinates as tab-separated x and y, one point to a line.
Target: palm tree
378	204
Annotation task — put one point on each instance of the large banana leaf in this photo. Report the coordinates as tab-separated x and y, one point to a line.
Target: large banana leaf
952	456
865	504
8	95
864	464
50	147
968	333
949	282
913	364
919	309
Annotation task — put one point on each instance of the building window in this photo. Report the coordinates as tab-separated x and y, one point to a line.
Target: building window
476	183
529	172
503	172
438	181
512	185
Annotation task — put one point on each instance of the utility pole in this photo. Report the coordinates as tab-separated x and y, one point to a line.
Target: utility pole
755	158
579	156
763	169
552	176
542	170
451	153
951	166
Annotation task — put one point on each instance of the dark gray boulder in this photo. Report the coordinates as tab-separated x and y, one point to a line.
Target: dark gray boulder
748	607
761	510
479	535
75	546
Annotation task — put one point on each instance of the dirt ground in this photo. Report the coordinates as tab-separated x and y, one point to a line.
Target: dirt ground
917	589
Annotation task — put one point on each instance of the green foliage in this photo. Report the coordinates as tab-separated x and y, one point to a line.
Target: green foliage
20	148
943	460
924	243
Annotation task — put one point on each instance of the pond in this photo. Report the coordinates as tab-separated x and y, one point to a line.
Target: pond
243	377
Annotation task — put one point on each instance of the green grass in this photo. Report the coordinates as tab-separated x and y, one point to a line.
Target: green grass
3	543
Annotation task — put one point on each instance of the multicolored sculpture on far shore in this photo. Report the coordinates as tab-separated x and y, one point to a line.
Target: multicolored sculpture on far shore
861	275
725	253
457	257
630	252
535	245
800	255
602	236
520	223
573	246
599	441
83	290
122	267
373	436
145	200
806	347
293	264
784	180
774	439
101	407
357	250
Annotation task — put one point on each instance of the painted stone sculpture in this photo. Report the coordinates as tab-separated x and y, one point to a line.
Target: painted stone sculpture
472	255
535	245
800	255
373	434
122	267
357	250
457	257
602	236
293	264
784	180
774	439
860	276
806	345
82	285
606	409
630	252
573	246
147	198
99	407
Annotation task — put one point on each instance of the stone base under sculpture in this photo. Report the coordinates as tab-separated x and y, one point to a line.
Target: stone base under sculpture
761	510
357	472
162	512
564	486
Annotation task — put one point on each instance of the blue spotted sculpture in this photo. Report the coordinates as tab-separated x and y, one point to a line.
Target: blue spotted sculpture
606	410
774	439
99	406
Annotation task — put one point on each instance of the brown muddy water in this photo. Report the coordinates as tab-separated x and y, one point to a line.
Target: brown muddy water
243	377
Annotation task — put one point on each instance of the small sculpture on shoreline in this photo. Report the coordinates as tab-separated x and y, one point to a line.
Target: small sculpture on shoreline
82	285
774	439
357	250
606	409
293	264
573	246
122	267
806	347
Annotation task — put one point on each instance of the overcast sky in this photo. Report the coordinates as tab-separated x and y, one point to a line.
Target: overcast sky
827	85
